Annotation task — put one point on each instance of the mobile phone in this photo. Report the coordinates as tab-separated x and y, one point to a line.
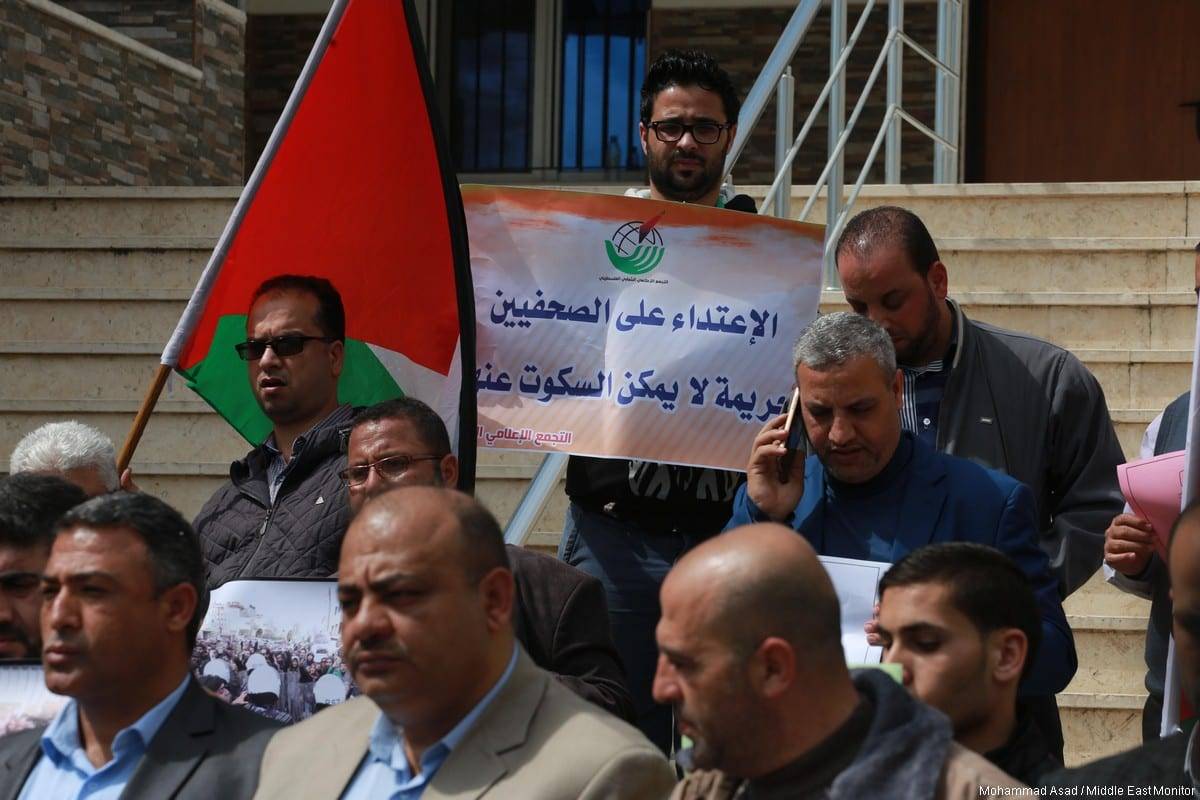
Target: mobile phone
797	438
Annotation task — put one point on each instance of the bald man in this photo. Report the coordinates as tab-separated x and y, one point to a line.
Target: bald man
1166	767
453	706
750	656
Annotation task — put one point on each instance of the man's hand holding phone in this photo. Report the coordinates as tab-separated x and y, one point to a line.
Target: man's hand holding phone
778	491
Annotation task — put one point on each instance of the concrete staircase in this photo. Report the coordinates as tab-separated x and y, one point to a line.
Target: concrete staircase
92	282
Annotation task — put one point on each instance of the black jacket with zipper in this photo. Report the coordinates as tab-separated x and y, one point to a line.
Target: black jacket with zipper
244	536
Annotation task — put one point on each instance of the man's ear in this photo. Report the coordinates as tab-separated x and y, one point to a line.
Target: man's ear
179	606
1009	649
496	590
448	467
643	131
939	280
773	668
729	139
337	357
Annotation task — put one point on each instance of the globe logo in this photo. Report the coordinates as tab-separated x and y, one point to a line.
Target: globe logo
636	247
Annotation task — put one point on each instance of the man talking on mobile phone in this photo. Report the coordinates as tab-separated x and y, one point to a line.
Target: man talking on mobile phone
873	491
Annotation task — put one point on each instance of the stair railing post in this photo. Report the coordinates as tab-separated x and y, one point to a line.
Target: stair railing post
949	35
895	91
837	122
785	99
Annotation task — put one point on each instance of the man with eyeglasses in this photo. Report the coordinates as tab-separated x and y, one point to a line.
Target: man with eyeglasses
30	505
284	510
559	613
629	521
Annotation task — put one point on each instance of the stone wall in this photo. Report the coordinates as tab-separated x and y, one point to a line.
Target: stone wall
83	105
742	39
165	25
277	46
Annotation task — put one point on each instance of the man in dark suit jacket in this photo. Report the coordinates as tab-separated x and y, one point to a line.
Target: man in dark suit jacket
122	603
1162	767
560	614
874	492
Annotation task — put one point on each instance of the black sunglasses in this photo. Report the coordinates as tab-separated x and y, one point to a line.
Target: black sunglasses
253	349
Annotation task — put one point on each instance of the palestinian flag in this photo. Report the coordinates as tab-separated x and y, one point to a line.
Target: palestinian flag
355	186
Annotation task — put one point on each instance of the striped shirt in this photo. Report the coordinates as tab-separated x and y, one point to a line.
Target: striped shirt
923	389
278	468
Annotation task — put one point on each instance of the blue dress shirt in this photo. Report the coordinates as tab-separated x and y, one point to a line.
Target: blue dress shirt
64	771
385	774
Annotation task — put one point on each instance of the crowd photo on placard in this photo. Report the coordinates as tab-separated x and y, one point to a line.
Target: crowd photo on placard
631	492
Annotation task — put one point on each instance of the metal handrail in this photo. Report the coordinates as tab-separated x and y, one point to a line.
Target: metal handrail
764	86
786	164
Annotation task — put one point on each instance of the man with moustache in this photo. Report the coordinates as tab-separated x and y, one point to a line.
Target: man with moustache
873	491
452	705
1001	398
752	661
559	613
284	510
629	521
122	600
30	506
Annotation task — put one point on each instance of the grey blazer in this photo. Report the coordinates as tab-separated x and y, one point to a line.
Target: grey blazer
537	741
205	749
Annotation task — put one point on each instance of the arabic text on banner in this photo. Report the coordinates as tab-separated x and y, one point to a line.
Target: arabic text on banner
630	328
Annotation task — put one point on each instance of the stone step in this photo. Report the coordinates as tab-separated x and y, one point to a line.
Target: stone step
1099	725
980	264
1081	320
1110	647
103	262
70	212
1031	211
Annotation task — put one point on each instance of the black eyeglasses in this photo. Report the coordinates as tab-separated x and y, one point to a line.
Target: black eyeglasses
670	130
390	468
253	349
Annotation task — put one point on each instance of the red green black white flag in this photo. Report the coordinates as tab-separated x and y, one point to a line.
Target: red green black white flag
356	186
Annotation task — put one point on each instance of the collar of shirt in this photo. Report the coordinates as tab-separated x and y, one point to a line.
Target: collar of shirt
62	744
341	414
387	742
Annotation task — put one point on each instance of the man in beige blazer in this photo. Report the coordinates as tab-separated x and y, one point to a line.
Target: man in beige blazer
453	706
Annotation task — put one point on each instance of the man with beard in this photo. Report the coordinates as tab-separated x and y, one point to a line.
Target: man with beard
752	661
629	521
1004	399
30	505
873	491
559	613
284	510
452	704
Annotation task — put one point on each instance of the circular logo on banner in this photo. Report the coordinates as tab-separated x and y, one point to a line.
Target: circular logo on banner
636	247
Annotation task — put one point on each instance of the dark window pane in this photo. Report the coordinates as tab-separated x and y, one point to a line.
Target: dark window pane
492	55
603	64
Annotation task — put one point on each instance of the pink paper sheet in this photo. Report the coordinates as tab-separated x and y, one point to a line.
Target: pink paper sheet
1153	487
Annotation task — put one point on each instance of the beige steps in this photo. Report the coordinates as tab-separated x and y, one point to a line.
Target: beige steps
41	213
1032	211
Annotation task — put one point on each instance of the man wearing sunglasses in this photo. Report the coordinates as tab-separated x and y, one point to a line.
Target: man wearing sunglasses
559	613
284	510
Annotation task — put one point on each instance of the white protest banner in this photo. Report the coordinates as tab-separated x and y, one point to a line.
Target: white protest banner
274	646
630	328
856	583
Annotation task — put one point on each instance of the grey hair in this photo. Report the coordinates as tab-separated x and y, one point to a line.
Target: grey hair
62	446
833	339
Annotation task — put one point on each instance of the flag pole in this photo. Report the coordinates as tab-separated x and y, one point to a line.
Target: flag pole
143	417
